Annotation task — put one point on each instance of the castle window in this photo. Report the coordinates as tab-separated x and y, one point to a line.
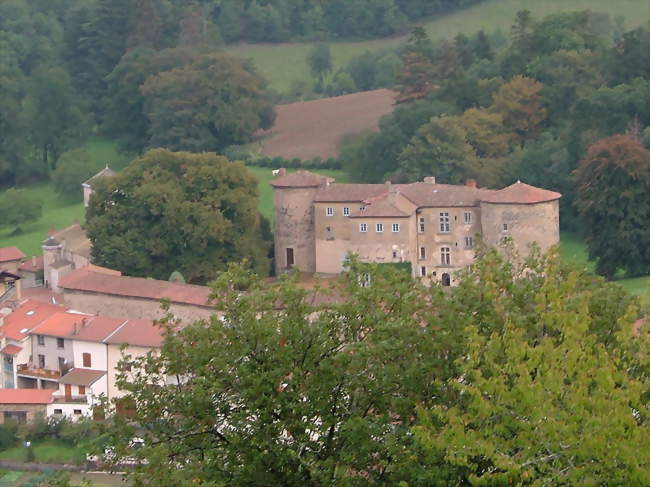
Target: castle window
380	228
363	227
329	211
504	227
362	208
469	242
445	256
346	211
394	254
395	227
421	227
444	222
423	253
364	279
423	271
467	216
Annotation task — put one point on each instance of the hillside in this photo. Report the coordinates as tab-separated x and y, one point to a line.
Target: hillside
283	64
315	128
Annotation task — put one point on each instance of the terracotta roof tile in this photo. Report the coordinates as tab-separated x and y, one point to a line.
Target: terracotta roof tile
9	254
96	329
82	377
34	264
11	349
140	333
380	208
299	179
443	195
28	315
342	193
521	193
61	324
26	396
137	287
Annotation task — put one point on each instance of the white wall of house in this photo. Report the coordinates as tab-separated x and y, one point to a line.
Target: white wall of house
114	357
70	411
97	351
52	351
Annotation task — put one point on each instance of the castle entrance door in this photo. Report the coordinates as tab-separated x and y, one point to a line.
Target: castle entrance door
446	279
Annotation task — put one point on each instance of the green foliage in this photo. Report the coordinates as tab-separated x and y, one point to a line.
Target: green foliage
18	208
398	382
8	434
214	102
613	188
198	211
320	63
72	168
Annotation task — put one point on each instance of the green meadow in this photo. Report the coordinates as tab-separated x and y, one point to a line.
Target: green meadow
283	64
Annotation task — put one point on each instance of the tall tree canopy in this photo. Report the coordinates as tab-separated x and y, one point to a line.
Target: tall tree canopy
196	211
614	204
207	105
394	381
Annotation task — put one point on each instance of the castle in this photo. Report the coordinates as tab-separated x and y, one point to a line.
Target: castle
433	226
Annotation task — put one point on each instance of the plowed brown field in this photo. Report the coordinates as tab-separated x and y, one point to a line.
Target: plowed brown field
315	128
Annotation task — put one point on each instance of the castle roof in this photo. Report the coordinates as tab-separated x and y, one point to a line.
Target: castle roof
521	193
382	207
341	193
299	179
443	195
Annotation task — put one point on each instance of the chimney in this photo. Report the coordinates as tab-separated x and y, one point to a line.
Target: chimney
84	322
470	183
430	180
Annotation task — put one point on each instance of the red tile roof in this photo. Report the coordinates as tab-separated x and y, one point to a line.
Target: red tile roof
521	193
26	396
11	349
8	254
60	325
139	333
299	179
382	208
136	287
34	264
341	193
82	377
28	315
96	329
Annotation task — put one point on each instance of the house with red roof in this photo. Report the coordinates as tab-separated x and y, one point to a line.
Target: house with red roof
10	259
23	405
432	226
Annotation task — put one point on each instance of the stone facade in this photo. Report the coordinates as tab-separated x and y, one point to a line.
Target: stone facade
31	411
433	226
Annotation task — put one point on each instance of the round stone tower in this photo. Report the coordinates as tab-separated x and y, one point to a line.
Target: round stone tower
524	213
294	235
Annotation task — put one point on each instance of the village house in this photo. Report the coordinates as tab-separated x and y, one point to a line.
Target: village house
432	226
24	405
10	259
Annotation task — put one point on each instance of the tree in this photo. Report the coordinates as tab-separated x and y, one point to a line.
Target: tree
198	212
73	168
548	409
522	107
18	208
214	102
12	119
613	183
417	77
438	148
55	121
320	63
146	25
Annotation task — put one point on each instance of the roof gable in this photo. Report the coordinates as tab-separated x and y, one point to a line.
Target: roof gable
9	254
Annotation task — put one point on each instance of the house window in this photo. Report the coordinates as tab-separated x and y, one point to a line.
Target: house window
86	359
423	271
421	226
380	227
467	216
329	211
445	256
41	340
77	412
41	361
395	227
469	242
444	222
423	253
82	390
363	228
61	365
60	343
346	211
504	227
58	411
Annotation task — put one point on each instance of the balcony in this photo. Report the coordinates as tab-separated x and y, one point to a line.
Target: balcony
74	399
25	370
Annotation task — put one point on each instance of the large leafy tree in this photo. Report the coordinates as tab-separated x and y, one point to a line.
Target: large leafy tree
614	204
207	105
73	168
19	208
183	212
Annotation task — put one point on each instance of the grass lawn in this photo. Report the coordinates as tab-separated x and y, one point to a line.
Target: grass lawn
11	477
285	63
47	452
264	176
